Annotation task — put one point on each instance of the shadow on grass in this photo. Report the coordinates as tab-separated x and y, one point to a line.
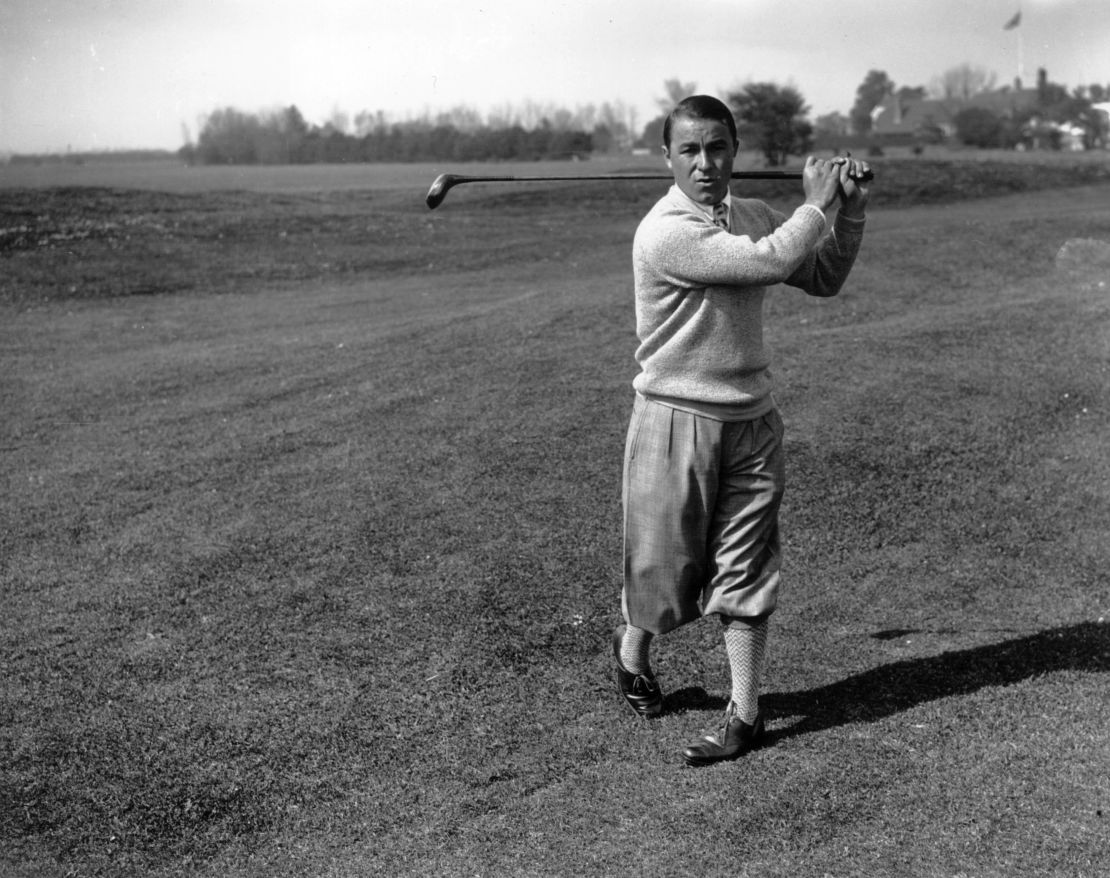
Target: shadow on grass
692	698
900	686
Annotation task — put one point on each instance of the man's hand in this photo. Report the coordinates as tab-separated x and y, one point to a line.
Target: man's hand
821	181
853	193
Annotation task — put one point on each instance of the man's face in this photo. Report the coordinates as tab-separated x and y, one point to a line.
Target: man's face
700	155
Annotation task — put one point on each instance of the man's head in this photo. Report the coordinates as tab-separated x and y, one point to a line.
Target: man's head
699	144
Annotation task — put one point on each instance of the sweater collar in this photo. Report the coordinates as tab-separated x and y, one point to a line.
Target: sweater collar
705	210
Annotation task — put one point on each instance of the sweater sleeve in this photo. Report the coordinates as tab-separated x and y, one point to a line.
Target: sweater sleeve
690	252
825	268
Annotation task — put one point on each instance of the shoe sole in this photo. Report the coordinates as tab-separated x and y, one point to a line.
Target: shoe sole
703	762
696	762
648	714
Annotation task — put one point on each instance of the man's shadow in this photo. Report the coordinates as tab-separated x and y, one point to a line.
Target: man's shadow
902	685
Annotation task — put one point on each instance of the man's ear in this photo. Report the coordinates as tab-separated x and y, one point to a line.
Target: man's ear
667	155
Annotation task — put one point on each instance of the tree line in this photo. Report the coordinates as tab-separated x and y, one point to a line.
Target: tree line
772	118
230	136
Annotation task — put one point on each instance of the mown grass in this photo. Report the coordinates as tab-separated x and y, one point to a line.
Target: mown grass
310	547
122	242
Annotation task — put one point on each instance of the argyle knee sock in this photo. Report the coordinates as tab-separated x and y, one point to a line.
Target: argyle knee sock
634	649
746	644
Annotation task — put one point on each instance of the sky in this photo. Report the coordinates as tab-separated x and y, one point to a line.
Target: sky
142	74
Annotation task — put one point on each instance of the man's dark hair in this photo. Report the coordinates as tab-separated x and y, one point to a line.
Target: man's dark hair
700	107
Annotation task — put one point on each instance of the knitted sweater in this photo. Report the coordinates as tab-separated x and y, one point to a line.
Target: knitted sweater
700	289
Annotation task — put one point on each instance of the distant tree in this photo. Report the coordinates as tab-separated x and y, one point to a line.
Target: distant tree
532	114
962	82
339	121
627	121
652	135
632	117
1052	98
773	118
620	121
914	93
188	149
569	143
978	126
367	122
1096	121
674	90
461	117
285	136
293	128
585	117
603	139
870	93
1099	129
228	136
562	119
280	137
832	124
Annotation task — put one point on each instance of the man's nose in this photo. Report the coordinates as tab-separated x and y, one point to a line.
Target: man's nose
703	159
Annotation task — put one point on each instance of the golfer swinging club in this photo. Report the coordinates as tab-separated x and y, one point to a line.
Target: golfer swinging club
703	465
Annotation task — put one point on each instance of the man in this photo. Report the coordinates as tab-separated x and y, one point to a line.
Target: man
703	465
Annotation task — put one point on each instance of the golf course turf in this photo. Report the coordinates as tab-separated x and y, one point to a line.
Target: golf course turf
310	537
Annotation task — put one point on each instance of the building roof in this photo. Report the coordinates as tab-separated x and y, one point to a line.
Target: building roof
897	115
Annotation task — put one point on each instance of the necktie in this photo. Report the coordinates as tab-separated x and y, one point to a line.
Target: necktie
720	215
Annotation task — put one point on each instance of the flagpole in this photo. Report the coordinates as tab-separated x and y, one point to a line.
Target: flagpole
1015	24
1021	48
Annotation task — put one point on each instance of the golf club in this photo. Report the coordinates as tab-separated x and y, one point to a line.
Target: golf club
445	182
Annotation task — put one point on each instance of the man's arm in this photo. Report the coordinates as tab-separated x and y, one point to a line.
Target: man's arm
688	251
825	269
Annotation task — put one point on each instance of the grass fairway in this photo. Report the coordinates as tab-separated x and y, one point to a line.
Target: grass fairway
310	543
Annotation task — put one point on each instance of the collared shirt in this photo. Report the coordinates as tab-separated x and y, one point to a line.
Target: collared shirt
707	209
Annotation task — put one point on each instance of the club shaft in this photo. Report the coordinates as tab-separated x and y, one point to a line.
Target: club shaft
445	182
529	178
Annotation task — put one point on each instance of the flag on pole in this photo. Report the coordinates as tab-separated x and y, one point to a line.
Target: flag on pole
1013	22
